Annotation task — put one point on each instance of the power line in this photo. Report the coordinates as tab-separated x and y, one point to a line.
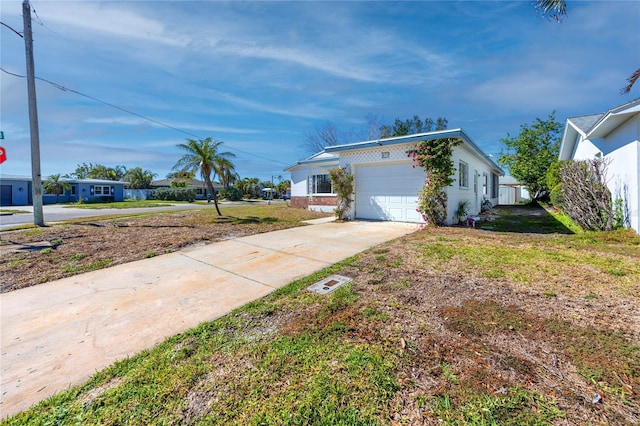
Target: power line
19	34
66	89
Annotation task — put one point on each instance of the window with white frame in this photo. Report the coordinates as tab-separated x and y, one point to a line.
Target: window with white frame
485	184
101	190
463	174
321	184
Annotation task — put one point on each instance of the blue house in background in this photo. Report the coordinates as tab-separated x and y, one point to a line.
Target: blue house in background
16	191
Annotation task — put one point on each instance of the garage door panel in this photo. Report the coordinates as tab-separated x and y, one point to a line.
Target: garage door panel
388	191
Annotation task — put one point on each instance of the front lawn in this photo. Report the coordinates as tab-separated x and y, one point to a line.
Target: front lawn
444	326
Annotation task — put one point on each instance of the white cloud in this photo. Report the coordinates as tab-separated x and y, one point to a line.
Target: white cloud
115	19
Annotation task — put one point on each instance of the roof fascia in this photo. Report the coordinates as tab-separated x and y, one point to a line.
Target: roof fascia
313	161
568	144
600	129
418	137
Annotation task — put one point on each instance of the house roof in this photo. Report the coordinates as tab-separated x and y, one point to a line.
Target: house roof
167	182
509	180
69	180
193	183
585	122
418	137
320	158
595	126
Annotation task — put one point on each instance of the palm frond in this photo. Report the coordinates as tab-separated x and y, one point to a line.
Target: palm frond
631	80
554	9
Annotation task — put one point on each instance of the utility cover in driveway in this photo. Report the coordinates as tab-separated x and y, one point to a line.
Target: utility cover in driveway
329	284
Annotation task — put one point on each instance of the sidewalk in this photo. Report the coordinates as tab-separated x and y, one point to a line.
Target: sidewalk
58	334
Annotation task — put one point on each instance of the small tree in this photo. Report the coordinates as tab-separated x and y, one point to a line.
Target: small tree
554	184
435	158
529	155
138	178
203	155
53	185
343	187
586	197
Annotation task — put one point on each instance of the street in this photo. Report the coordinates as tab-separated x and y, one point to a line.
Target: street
61	212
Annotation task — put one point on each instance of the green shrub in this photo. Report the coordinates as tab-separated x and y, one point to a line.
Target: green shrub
556	195
176	194
232	193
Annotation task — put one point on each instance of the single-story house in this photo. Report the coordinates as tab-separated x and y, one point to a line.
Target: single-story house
17	191
612	135
512	191
386	185
199	185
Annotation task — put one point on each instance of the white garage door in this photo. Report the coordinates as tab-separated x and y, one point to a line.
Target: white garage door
388	192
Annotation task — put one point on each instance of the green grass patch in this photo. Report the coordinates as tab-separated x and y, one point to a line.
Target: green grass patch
15	263
77	257
515	407
13	211
129	204
535	220
99	264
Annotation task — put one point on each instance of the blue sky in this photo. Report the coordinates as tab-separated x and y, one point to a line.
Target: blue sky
261	75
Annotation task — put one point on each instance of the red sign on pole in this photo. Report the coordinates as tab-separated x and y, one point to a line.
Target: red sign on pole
3	155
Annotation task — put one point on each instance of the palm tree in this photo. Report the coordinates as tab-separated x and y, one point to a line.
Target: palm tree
181	174
138	178
250	187
203	155
53	185
226	170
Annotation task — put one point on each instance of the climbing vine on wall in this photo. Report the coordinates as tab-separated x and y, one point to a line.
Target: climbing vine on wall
434	157
342	182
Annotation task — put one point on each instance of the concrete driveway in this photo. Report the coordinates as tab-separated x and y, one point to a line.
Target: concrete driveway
58	334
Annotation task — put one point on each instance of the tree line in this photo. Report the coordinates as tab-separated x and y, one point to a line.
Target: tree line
200	157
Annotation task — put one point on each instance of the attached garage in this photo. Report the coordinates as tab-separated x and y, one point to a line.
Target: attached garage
388	191
386	185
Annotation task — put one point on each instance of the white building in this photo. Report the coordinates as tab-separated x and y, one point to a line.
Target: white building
386	185
613	135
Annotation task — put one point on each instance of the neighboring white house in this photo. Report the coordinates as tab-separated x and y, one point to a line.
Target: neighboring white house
386	185
613	135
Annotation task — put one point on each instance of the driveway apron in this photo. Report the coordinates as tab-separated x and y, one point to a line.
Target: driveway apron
58	334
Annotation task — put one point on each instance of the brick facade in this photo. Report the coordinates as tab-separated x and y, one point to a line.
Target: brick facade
305	202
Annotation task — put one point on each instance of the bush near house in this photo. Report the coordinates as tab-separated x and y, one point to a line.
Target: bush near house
176	194
232	193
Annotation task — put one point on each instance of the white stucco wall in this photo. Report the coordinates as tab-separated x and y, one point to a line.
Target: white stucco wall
623	172
299	182
586	150
472	194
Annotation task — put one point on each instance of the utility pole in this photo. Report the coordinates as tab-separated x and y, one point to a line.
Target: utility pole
36	178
